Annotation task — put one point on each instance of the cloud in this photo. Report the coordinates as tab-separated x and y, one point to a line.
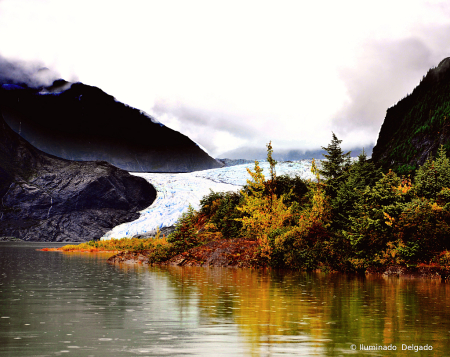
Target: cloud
385	72
33	74
239	74
253	153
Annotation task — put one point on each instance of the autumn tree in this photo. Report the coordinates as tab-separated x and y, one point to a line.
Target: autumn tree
301	246
262	213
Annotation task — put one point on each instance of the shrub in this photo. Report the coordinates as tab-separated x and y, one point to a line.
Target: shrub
424	228
185	235
221	211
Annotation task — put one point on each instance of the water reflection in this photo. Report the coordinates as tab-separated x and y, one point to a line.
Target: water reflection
317	314
76	304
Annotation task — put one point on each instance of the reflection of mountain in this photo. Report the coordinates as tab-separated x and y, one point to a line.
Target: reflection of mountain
44	198
80	122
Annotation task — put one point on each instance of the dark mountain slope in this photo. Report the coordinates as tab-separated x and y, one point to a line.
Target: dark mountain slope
44	198
80	122
417	125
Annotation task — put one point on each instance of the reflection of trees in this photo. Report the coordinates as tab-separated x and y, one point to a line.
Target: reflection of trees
329	312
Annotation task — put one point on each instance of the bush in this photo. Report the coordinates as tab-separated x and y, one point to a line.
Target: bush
220	209
185	235
424	228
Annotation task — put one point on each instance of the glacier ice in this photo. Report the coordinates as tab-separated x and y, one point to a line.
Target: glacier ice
175	192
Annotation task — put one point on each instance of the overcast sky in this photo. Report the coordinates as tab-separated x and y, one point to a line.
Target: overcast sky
233	75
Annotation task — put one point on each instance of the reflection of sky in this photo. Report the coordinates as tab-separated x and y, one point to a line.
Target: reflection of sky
177	191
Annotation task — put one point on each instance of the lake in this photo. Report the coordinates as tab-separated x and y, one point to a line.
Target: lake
75	304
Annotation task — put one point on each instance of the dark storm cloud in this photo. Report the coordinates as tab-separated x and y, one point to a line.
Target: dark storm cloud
384	74
31	74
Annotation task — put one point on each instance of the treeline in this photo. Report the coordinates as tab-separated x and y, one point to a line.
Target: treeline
352	217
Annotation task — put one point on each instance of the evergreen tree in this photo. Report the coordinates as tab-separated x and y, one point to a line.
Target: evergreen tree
433	176
336	163
273	174
370	223
361	174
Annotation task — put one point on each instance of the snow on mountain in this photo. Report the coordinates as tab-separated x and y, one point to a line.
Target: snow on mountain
175	192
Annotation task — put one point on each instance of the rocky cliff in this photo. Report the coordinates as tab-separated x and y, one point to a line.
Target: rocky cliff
44	198
79	122
418	124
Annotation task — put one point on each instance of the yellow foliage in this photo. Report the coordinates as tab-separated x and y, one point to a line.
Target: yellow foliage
264	213
404	187
391	254
119	244
390	220
312	217
209	233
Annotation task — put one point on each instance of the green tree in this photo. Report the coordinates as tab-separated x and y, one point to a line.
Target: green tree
273	175
424	228
185	235
433	176
220	210
336	163
360	175
370	223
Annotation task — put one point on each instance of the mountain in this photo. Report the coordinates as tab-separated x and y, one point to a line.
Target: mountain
75	121
418	124
45	198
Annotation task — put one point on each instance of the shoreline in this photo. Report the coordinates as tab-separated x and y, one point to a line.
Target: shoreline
232	253
242	253
90	250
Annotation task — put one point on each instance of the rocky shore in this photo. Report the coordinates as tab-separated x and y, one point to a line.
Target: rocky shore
235	253
240	253
421	271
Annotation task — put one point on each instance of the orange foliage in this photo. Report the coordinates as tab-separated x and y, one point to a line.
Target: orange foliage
404	187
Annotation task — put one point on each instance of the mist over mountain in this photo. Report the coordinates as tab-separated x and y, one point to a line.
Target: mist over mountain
287	155
79	122
417	125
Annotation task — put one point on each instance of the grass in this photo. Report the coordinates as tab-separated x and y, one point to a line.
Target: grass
123	244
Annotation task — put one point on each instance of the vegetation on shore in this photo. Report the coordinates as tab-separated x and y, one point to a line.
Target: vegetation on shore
124	244
352	218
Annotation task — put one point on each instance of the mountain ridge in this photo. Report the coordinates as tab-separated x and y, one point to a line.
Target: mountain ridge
75	121
415	127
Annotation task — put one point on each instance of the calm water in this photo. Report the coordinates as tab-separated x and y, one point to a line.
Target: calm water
54	304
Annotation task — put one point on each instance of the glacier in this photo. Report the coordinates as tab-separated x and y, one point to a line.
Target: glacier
175	192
